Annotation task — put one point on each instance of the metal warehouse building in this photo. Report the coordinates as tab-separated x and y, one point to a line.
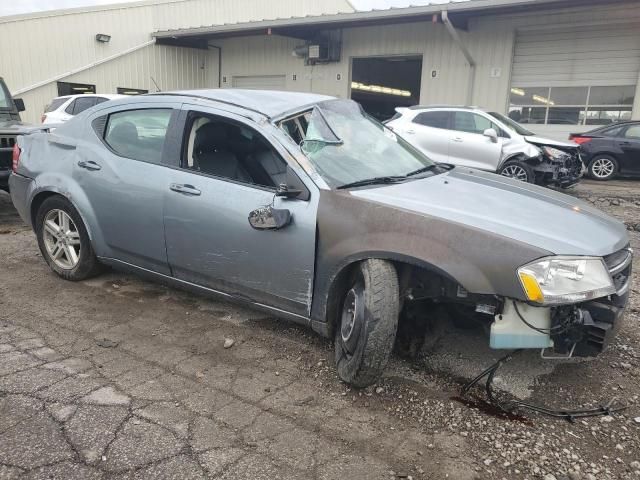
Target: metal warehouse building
555	65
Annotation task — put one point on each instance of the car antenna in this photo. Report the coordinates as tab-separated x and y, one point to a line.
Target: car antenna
156	84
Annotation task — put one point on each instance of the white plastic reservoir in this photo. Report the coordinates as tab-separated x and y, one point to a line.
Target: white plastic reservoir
509	331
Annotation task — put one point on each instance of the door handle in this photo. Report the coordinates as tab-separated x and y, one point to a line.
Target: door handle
458	139
185	189
410	132
89	165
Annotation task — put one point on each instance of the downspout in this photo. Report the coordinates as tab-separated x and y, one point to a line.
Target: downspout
83	68
467	54
219	63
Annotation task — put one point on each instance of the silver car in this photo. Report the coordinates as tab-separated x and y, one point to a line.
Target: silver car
304	206
490	141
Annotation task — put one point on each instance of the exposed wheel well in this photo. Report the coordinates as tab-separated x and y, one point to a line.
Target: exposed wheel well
37	202
429	281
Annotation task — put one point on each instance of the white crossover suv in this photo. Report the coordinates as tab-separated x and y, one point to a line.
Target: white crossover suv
62	109
490	141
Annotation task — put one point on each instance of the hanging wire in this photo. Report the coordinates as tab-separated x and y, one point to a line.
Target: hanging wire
510	406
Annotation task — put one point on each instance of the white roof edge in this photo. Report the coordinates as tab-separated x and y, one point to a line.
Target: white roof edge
389	13
85	9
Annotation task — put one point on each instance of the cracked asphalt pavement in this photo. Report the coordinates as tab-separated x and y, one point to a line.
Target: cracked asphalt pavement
119	378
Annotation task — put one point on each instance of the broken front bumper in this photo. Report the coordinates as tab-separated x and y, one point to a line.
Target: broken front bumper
601	318
582	330
563	172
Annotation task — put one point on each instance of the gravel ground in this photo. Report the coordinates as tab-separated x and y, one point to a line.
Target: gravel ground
120	378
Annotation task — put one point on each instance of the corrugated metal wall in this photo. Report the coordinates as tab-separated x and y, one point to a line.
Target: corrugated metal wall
40	47
491	39
60	43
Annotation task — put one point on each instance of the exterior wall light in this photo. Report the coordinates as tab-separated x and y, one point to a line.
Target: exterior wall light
103	38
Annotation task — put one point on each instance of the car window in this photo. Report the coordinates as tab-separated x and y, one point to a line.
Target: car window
55	103
138	134
219	147
83	103
472	123
612	132
633	132
70	107
100	100
433	119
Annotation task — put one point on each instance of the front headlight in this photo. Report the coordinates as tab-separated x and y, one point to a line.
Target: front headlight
562	280
553	153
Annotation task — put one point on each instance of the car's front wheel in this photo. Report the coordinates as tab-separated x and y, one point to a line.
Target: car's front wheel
603	167
367	324
518	170
64	241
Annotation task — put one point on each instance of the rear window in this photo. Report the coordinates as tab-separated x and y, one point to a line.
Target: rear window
55	103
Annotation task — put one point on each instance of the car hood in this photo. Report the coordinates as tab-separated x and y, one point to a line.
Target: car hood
522	212
551	143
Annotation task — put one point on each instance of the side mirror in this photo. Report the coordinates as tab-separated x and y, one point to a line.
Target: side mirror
19	103
491	134
269	218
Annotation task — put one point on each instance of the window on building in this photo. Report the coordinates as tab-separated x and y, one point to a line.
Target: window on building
131	91
66	88
571	105
138	134
433	119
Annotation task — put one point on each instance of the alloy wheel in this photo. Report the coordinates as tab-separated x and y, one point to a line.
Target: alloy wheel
61	239
602	168
515	171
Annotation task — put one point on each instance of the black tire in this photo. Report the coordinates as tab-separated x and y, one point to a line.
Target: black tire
521	167
362	355
87	265
603	167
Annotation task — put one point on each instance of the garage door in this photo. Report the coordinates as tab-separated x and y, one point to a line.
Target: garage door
574	76
594	55
260	82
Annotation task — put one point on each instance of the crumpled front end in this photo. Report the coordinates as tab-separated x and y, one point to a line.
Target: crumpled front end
574	330
559	167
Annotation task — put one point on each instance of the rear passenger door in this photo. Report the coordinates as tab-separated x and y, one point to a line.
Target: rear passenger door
124	174
428	131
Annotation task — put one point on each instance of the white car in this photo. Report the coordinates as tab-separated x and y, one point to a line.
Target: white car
62	109
490	141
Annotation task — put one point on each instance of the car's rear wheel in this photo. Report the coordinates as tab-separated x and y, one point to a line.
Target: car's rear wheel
603	167
518	170
367	324
64	241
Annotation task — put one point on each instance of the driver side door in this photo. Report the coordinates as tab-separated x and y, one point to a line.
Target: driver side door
209	239
469	146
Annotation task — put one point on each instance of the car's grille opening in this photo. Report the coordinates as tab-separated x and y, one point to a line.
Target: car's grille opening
619	265
7	142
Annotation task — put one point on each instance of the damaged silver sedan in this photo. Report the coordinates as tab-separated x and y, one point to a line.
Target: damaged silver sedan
303	206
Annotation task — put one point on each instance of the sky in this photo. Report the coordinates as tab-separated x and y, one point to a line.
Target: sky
14	7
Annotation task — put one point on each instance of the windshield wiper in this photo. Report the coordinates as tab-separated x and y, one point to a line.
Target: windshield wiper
422	170
372	181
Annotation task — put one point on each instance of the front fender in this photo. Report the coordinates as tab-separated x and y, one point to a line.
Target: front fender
351	229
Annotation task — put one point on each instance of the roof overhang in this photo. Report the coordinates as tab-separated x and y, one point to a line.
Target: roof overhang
308	27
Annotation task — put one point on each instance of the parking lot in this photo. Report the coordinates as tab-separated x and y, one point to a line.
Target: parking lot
120	378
